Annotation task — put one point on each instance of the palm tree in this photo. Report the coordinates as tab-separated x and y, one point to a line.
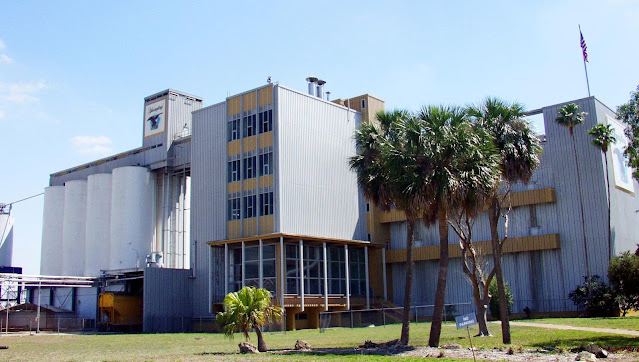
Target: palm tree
569	116
388	174
519	150
247	310
458	164
603	136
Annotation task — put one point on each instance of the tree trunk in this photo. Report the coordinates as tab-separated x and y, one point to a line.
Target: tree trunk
609	226
440	294
493	216
583	222
408	291
261	345
482	306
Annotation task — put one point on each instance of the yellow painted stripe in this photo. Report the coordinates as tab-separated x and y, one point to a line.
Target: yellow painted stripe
512	245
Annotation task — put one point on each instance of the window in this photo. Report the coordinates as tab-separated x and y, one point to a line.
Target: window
266	203
313	270
233	171
249	167
234	209
363	103
292	269
249	125
533	216
336	270
357	269
266	121
266	164
235	269
233	130
368	207
250	209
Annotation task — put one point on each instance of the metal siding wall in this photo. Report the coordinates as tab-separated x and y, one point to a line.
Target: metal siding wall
168	295
318	191
86	302
180	108
208	199
624	219
559	154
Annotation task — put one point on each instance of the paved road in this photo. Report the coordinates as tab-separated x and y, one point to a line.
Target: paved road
624	332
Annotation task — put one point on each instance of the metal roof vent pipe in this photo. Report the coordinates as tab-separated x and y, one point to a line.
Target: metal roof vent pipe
328	95
320	88
311	85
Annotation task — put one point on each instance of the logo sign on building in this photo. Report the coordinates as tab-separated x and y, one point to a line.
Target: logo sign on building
154	118
466	320
621	171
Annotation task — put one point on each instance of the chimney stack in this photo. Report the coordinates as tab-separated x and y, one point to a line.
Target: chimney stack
311	85
320	88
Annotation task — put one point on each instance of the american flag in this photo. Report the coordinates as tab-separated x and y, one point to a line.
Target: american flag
584	48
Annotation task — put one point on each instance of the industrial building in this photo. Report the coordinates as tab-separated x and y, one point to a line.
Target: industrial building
257	190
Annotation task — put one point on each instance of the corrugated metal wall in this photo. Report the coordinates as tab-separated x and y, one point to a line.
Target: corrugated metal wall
317	189
208	203
623	204
168	296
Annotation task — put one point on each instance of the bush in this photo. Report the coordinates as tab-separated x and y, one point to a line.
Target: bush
494	299
623	273
602	301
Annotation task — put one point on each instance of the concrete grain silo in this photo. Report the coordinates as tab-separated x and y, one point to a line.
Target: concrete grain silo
74	227
52	220
98	224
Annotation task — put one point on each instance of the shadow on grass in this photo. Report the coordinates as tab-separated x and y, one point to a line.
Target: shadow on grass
346	351
603	341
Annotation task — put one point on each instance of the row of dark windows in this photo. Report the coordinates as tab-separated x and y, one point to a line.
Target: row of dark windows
248	206
250	125
251	167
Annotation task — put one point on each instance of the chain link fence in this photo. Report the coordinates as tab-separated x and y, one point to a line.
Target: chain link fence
384	316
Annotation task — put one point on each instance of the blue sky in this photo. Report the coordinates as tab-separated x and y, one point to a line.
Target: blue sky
73	74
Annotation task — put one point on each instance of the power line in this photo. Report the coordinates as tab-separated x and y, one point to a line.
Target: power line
27	198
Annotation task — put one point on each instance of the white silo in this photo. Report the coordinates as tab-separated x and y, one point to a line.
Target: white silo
52	220
74	227
98	225
131	217
6	238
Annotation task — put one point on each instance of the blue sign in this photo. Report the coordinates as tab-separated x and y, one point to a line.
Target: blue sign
466	320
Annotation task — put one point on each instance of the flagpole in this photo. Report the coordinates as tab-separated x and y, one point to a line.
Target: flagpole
583	44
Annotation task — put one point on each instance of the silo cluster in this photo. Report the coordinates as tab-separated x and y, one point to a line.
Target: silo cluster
103	223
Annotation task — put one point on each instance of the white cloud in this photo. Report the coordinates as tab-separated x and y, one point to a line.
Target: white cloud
5	59
21	92
2	45
97	145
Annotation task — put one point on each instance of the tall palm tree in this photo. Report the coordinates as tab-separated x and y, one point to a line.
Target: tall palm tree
459	164
246	310
569	116
388	173
519	152
603	136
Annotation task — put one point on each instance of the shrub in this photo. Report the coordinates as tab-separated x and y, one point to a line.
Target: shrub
623	273
494	300
602	301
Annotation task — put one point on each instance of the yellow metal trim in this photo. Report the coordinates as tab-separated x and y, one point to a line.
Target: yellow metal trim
512	245
265	95
295	237
520	198
250	143
233	187
233	148
233	229
266	224
266	181
249	101
233	105
250	226
266	139
250	184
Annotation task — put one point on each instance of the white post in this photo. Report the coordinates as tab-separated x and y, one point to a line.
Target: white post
260	265
282	272
226	269
348	278
325	279
243	265
384	273
302	274
39	295
368	293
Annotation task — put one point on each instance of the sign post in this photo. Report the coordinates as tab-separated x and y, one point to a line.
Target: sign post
467	320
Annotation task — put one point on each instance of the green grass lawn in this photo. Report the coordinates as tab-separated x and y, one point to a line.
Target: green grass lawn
201	346
630	323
